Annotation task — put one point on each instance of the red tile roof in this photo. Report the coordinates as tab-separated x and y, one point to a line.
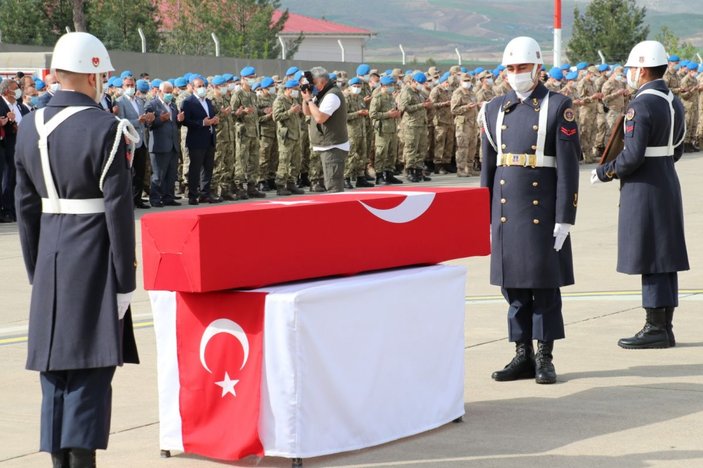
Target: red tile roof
307	25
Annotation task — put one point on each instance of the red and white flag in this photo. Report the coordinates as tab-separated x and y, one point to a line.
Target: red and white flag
219	354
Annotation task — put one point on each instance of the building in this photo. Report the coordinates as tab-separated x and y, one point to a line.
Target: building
323	40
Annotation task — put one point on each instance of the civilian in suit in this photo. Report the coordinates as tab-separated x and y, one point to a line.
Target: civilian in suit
164	145
201	120
11	110
133	110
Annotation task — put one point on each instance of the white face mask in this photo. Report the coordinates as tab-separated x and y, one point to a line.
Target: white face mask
466	84
55	87
201	92
489	81
521	82
355	90
295	93
18	94
231	86
237	87
633	82
129	92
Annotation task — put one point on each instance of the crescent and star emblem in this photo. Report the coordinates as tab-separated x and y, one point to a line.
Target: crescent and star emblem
229	327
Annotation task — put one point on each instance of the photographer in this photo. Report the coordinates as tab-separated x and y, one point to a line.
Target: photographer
328	126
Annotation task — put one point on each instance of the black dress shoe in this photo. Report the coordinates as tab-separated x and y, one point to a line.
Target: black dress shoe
210	200
521	367
141	205
178	197
172	203
193	201
229	197
361	182
157	204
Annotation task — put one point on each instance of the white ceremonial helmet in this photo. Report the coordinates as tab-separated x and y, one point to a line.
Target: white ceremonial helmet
647	54
522	49
80	52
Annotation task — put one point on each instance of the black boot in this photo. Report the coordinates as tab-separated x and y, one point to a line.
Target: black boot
390	179
304	180
347	184
544	369
59	459
421	175
361	182
253	192
521	367
413	175
670	327
652	335
282	190
81	458
294	189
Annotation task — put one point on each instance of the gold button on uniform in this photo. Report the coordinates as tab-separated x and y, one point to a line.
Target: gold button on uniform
504	127
535	128
503	219
502	182
536	221
503	201
535	184
503	146
535	202
534	147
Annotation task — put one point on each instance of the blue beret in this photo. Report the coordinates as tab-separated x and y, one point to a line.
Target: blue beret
117	83
572	75
333	76
556	73
581	66
180	82
603	67
363	69
565	66
111	81
479	70
408	72
156	83
228	76
126	74
172	81
187	76
674	58
39	84
292	84
218	80
700	67
267	82
388	72
292	71
191	77
298	75
388	80
142	86
255	86
442	79
500	68
692	65
248	71
355	81
235	78
496	72
472	73
420	77
464	70
446	75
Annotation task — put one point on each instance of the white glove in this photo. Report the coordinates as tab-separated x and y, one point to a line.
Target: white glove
123	301
594	178
561	232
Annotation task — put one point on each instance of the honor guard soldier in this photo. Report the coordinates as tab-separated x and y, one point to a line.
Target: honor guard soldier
651	238
531	151
76	225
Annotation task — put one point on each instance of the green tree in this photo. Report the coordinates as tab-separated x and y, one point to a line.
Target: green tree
244	28
35	22
115	22
674	45
612	26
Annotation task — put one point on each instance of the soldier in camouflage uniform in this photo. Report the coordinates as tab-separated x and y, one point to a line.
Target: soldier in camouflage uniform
268	147
601	124
689	97
464	107
441	97
357	113
484	94
183	90
413	104
384	116
246	114
224	150
615	94
671	77
587	104
287	114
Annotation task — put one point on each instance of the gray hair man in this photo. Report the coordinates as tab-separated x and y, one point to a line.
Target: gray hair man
328	127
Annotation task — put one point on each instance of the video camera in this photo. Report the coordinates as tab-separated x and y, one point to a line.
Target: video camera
307	87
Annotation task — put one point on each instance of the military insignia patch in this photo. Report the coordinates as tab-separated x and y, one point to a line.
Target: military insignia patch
96	61
630	114
569	115
568	131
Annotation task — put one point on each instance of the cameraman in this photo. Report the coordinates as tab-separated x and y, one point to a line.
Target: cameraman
328	126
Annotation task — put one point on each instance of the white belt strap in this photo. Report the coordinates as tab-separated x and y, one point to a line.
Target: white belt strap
668	150
542	159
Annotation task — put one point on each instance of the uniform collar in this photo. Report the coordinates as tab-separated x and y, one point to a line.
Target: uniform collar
71	98
658	85
534	99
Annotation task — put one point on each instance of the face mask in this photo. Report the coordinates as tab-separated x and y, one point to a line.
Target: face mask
168	97
56	86
201	92
251	81
633	82
521	82
489	81
466	84
375	84
18	94
295	93
356	90
620	78
390	89
365	78
129	92
230	86
237	87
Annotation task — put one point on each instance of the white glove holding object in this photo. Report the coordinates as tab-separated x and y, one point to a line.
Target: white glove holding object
561	232
123	301
594	178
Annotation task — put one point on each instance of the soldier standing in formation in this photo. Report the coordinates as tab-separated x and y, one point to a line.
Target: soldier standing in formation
357	113
413	105
651	238
385	117
441	98
464	107
531	149
287	113
268	151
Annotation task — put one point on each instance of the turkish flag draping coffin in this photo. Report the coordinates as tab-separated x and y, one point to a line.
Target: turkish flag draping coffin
261	243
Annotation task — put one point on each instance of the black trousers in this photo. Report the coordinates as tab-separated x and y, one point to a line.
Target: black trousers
202	162
139	171
164	169
534	314
8	180
76	408
660	290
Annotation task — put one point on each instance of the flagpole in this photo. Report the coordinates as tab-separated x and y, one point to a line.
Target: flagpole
557	33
